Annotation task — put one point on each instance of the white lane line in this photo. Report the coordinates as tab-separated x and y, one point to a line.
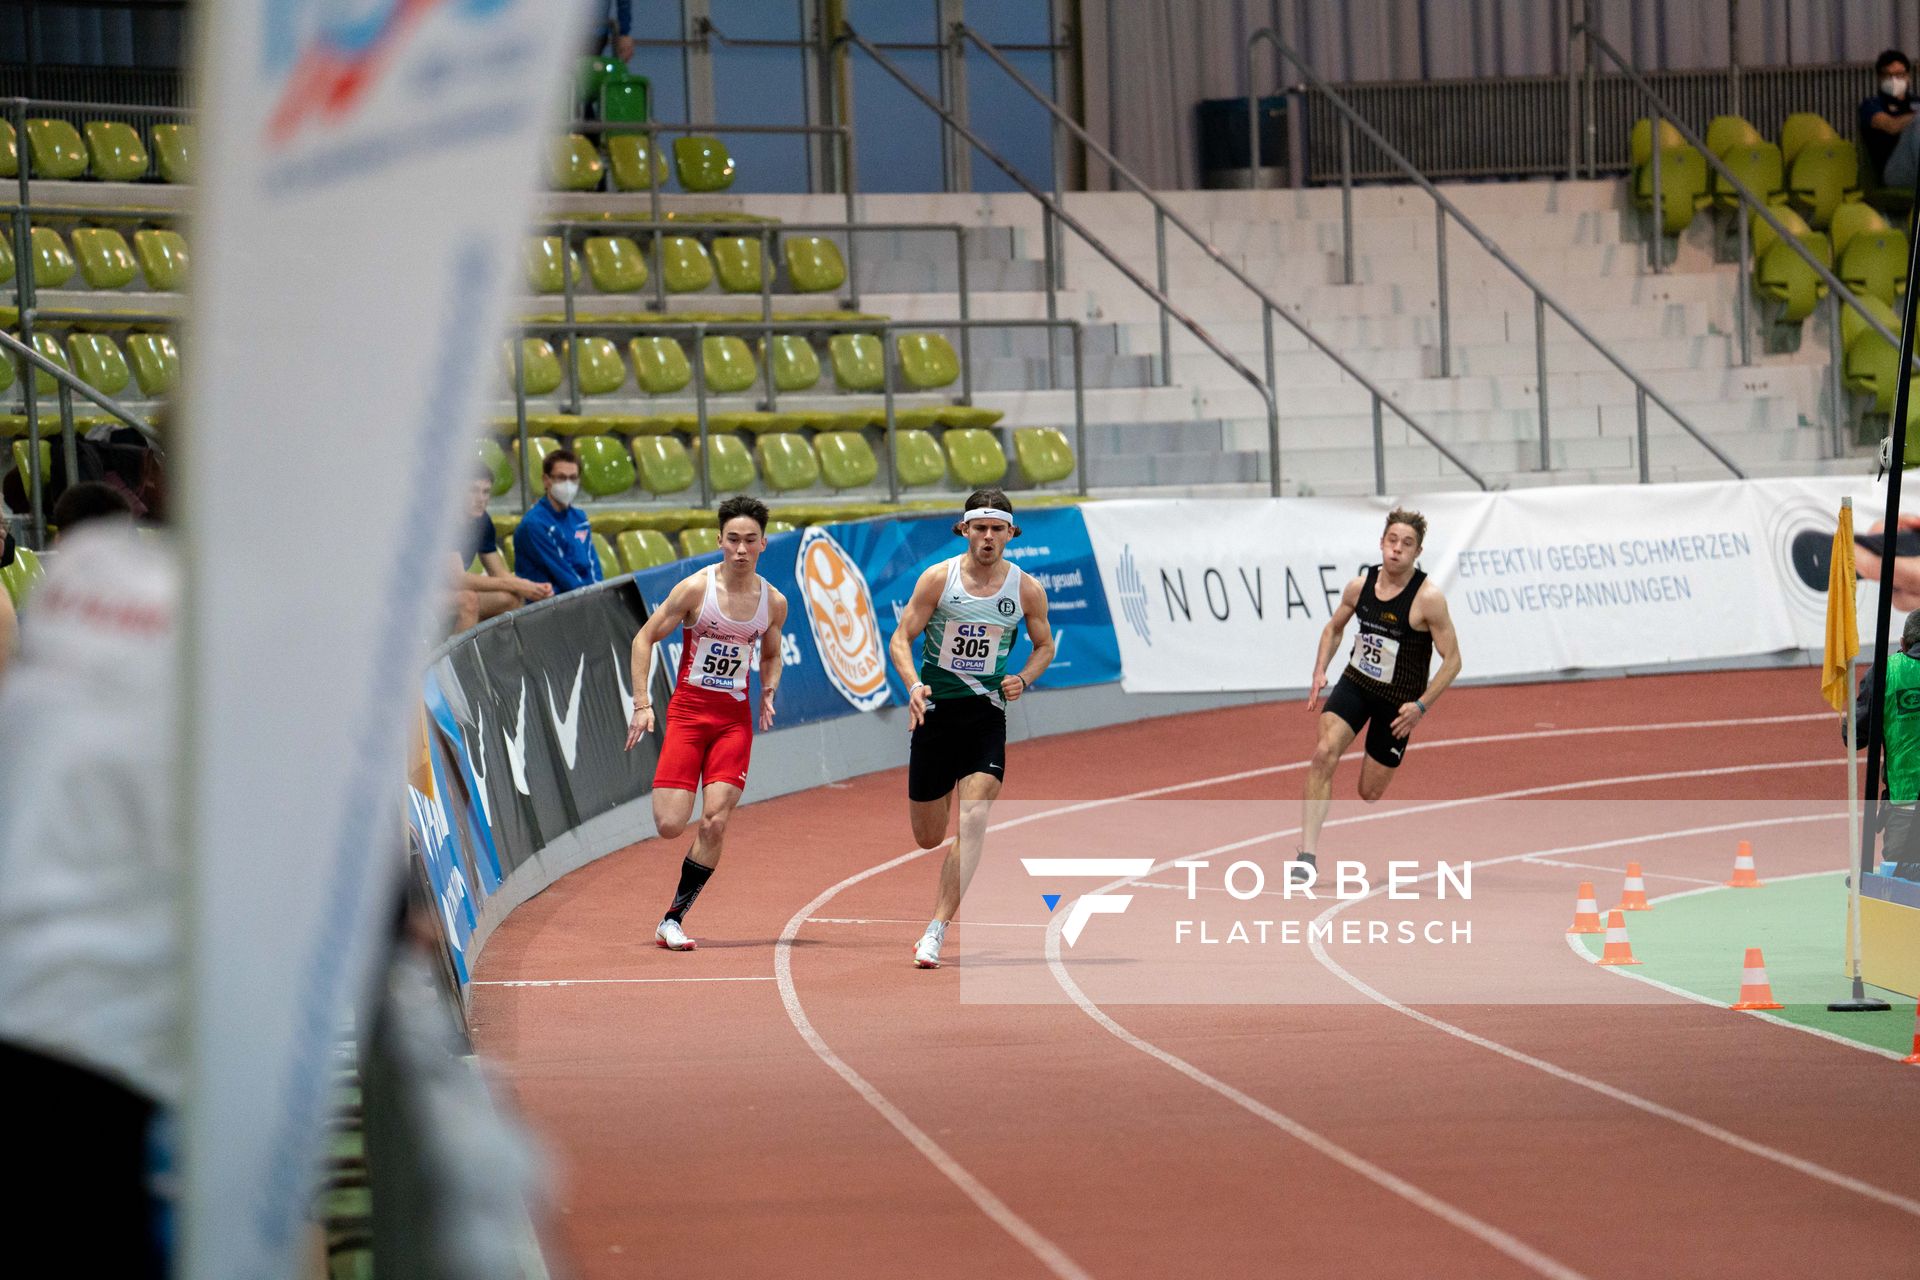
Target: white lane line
607	982
1617	871
964	924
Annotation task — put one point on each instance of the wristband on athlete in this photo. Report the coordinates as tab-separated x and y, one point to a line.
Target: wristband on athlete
1421	705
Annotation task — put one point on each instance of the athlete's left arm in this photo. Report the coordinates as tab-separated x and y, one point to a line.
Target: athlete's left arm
770	665
1033	603
1432	608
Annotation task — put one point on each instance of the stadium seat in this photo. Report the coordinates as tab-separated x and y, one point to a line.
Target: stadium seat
1874	264
729	364
1759	166
115	151
1683	187
506	548
779	526
699	540
729	464
1799	130
494	458
917	456
609	562
576	165
1872	366
1639	141
1784	277
105	260
627	157
53	266
787	461
50	349
1853	324
599	367
615	264
156	362
538	447
606	468
98	362
546	271
20	577
857	360
55	149
9	151
1043	454
738	261
684	262
927	361
540	366
660	365
643	549
975	457
664	463
8	376
1850	220
814	264
702	164
846	459
173	149
162	256
792	363
1822	176
1725	132
1761	236
966	415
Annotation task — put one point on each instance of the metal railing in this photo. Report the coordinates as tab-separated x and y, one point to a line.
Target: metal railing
1269	305
1445	209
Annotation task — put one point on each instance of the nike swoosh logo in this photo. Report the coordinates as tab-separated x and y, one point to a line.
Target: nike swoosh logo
568	726
476	761
620	680
517	747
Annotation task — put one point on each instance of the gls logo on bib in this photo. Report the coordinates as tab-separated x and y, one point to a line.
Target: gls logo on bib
840	611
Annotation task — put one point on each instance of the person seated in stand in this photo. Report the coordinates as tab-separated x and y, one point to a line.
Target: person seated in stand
1886	119
494	590
554	542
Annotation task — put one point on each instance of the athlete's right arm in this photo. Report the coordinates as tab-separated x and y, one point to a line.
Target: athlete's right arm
913	620
1330	639
671	613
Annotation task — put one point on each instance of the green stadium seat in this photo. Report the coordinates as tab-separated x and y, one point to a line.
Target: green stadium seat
99	363
684	262
627	157
21	455
9	151
927	361
729	364
1761	236
1872	366
156	362
1726	132
173	150
53	266
1850	220
609	562
975	457
779	526
495	459
699	541
576	166
20	577
792	362
664	463
606	468
50	349
1683	187
1639	140
751	421
846	459
917	456
1759	166
598	363
1821	177
738	261
814	264
115	151
105	260
787	461
538	447
162	256
643	549
702	164
1785	278
55	149
615	264
729	464
1853	324
506	548
6	257
1875	264
547	271
625	98
858	361
1043	454
1801	129
540	366
660	365
8	376
966	415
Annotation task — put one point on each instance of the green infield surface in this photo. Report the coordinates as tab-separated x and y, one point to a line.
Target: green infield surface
1697	941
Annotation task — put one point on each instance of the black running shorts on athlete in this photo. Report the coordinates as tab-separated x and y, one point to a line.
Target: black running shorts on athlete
959	736
1363	709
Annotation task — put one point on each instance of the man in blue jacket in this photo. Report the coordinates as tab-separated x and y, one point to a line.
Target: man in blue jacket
554	543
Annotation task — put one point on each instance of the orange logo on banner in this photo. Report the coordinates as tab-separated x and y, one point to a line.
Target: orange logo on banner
845	628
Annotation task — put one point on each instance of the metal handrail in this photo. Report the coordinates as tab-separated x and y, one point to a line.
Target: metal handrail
1664	112
1269	305
1054	210
1542	300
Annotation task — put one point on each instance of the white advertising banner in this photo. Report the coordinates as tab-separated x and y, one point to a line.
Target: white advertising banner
366	176
1216	596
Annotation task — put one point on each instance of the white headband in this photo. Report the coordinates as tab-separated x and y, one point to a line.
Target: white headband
986	513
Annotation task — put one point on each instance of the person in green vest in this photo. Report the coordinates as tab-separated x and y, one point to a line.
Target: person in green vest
1900	734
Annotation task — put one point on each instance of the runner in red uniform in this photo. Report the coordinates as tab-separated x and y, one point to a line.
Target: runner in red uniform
726	612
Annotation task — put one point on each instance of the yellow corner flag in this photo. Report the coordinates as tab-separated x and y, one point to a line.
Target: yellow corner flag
1843	629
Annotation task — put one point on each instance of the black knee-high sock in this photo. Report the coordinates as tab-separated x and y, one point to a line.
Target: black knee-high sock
693	878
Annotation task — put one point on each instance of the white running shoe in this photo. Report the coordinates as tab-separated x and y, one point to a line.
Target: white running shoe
671	936
926	952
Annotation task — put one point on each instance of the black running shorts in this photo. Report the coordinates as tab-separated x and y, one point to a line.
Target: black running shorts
1375	714
959	736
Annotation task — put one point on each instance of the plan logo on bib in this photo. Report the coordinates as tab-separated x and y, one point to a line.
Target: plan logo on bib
845	627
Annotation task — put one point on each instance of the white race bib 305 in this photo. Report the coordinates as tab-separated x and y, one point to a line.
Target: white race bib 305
969	648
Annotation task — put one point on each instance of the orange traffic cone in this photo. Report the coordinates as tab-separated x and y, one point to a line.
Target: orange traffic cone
1586	911
1743	874
1617	949
1634	896
1755	991
1914	1057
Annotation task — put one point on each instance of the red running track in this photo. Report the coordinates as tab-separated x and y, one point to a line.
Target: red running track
1593	1132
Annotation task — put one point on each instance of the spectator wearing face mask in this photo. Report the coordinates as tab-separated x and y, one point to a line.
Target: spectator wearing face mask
554	543
1892	146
